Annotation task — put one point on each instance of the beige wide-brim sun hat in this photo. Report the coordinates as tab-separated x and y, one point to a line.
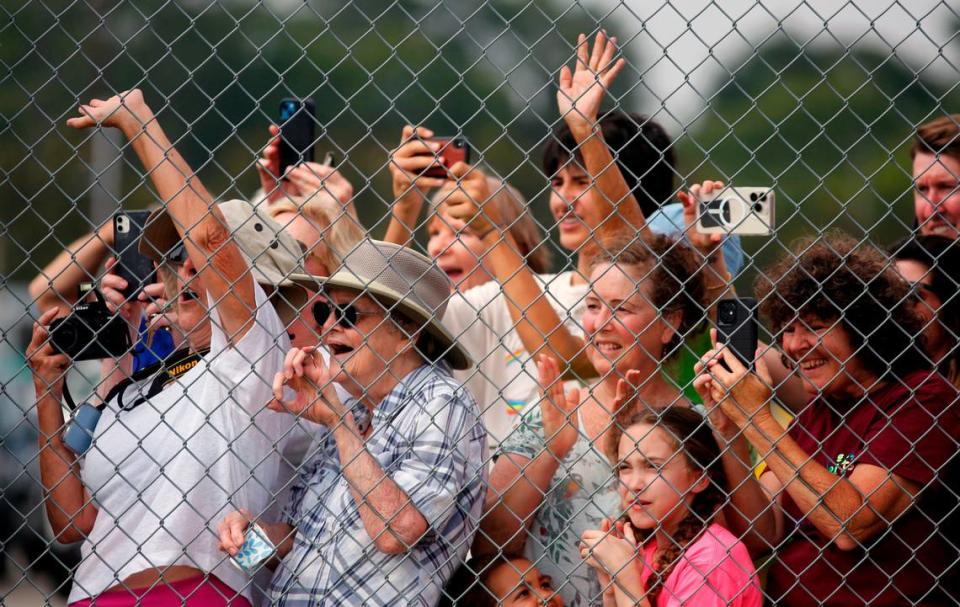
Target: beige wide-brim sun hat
402	280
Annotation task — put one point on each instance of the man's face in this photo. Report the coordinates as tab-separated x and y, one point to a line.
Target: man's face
936	194
571	199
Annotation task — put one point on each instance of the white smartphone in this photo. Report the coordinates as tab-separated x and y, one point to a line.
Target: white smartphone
744	211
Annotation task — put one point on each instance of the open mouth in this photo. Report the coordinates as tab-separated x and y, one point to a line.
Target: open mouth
188	295
608	348
339	349
455	274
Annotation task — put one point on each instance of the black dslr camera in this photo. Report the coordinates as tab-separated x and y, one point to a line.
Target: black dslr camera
90	332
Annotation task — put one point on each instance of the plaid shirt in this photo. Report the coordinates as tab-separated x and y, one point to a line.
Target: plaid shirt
428	438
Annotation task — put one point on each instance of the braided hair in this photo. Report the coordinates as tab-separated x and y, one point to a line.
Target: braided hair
694	439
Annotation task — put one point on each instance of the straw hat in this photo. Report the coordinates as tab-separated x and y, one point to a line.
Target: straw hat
400	279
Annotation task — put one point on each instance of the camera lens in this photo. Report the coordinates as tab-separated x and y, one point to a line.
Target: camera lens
65	336
753	196
758	207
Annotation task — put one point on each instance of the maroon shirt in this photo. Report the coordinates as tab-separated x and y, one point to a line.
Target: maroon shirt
910	427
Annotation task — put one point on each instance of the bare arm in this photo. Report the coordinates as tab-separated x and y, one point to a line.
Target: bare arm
58	283
580	93
412	157
847	509
517	487
749	514
69	509
221	267
518	483
387	512
536	321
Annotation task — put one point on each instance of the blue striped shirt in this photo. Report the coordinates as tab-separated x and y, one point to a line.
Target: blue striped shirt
427	437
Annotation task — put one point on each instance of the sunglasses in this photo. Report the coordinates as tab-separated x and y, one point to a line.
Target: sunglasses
177	255
346	316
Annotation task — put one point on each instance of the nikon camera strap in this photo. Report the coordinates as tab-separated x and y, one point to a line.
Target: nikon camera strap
163	373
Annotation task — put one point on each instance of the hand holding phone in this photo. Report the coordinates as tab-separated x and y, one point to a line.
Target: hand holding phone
744	211
297	132
738	328
132	266
452	150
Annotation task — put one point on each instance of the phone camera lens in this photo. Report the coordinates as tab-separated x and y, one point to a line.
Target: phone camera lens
753	196
758	208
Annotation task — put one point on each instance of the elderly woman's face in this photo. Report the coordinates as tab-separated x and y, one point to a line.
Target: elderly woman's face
362	342
824	358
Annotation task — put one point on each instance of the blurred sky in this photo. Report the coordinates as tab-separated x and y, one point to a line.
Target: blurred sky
680	49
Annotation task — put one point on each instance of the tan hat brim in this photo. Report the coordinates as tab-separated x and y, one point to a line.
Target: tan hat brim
159	236
454	354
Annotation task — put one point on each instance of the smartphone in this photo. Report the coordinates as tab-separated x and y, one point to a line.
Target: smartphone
738	327
298	126
453	150
744	211
133	267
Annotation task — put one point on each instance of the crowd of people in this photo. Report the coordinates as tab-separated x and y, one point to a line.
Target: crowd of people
466	428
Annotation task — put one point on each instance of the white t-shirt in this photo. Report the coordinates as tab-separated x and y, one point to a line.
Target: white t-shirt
164	474
504	379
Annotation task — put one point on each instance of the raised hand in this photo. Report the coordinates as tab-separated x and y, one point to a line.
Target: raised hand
49	368
311	178
310	392
413	156
559	409
581	91
706	244
741	394
467	203
127	111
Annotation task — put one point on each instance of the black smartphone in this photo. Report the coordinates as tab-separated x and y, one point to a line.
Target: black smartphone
297	132
133	267
453	150
738	327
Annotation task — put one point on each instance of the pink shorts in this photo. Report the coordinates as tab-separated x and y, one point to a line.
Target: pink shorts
199	591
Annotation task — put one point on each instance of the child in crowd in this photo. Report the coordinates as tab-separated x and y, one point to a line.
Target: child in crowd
507	582
670	550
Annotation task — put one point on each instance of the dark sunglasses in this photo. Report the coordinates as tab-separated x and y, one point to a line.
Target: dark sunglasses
346	315
177	255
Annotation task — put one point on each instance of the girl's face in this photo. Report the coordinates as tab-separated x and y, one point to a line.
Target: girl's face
457	252
657	483
520	584
571	197
824	358
624	329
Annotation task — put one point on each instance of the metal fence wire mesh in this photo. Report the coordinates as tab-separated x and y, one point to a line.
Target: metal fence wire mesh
479	303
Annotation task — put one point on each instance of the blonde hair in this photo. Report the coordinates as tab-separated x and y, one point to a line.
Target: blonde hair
511	206
340	230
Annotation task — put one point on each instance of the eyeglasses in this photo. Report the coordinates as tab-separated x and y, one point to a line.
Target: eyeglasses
347	315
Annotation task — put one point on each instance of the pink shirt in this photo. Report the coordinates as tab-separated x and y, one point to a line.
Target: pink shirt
715	570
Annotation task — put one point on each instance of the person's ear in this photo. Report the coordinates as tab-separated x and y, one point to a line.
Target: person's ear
701	483
671	325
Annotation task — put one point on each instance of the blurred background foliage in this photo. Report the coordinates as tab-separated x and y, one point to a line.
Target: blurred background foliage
825	126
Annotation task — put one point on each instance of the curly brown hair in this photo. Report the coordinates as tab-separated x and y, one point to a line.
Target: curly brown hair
692	436
671	270
836	278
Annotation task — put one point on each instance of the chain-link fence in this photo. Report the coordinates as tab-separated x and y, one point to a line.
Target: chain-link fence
500	303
